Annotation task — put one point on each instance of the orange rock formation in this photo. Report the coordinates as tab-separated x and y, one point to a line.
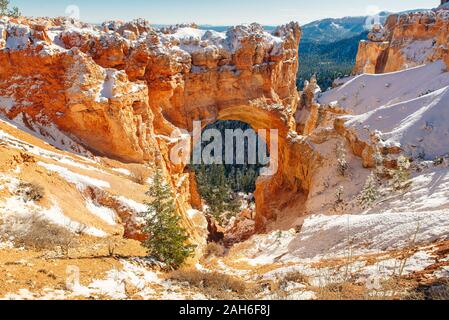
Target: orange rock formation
405	41
122	89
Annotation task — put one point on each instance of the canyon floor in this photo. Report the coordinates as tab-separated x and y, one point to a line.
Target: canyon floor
395	250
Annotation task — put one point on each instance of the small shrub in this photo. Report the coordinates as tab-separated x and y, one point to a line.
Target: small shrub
214	249
213	284
342	163
370	192
35	232
31	191
401	176
139	174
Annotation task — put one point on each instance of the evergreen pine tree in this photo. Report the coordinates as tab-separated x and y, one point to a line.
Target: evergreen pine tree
216	192
401	176
4	7
5	11
342	163
370	192
166	238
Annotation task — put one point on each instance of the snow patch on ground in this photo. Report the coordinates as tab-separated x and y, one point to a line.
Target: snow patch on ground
106	214
79	180
18	36
13	207
122	171
366	92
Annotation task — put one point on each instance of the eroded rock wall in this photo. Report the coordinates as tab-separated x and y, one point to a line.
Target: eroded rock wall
122	89
405	41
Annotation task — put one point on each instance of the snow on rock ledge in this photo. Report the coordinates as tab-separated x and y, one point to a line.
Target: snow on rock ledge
405	41
407	108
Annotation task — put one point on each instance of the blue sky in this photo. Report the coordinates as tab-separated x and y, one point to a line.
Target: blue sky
224	12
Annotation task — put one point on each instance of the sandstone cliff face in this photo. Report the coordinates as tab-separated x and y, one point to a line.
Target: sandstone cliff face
405	41
123	88
100	107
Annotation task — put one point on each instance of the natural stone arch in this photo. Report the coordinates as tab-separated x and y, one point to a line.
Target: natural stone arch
159	83
255	87
296	158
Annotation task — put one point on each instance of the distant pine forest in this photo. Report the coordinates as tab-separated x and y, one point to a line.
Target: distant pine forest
328	61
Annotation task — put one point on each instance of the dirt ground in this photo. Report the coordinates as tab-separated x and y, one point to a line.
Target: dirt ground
36	271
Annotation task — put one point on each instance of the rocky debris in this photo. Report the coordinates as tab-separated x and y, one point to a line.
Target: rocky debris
240	230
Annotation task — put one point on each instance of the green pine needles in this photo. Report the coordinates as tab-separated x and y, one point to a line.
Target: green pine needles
14	12
167	239
217	193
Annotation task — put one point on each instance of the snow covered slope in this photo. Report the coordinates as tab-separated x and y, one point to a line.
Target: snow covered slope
409	108
419	126
420	213
367	92
81	193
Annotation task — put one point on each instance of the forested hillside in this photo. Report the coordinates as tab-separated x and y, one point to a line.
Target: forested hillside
328	61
